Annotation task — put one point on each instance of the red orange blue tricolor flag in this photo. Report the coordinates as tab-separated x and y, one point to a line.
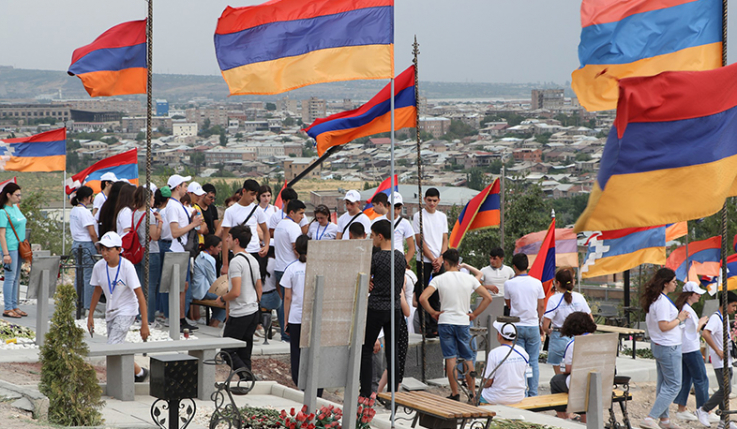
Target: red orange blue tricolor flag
38	153
566	247
621	39
279	202
372	118
386	188
115	63
668	127
483	211
282	45
123	165
704	256
543	268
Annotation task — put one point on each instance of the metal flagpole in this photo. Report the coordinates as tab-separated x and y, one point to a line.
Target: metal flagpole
149	105
725	328
63	215
501	206
393	285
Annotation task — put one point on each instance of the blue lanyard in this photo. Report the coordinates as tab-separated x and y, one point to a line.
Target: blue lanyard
568	345
111	287
719	313
318	235
517	351
82	205
282	214
671	301
556	307
186	213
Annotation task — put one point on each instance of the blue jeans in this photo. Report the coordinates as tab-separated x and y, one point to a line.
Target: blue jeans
280	309
668	364
528	337
557	348
270	300
455	341
217	313
12	280
694	370
88	249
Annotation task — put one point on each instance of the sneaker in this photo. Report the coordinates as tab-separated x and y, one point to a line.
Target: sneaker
183	324
686	416
703	417
713	418
166	322
259	332
668	424
142	378
456	397
649	423
191	322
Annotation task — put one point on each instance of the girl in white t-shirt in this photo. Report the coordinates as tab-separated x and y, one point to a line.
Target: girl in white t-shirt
560	305
124	209
321	228
84	236
264	202
664	323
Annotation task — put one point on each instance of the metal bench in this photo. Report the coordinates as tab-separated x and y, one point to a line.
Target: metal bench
436	412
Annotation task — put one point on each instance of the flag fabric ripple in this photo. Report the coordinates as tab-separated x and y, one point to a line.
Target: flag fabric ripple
38	153
566	254
543	268
282	45
705	254
483	211
115	63
123	165
386	188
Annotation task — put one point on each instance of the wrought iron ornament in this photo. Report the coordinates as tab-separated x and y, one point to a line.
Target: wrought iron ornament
169	413
228	413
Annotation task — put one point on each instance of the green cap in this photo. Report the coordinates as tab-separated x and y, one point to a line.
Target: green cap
165	191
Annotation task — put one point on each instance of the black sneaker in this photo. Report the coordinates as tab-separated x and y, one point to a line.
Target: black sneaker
456	397
184	325
142	378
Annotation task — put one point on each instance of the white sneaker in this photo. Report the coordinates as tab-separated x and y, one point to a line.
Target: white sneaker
649	423
713	418
668	424
686	416
166	322
703	417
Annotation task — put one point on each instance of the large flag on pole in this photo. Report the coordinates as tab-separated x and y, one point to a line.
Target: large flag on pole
373	117
703	256
483	211
543	268
386	188
282	45
621	39
279	202
671	154
38	153
123	165
566	246
115	63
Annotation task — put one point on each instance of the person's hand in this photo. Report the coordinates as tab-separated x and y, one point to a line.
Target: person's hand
263	251
377	347
224	270
720	354
471	317
493	288
7	259
144	330
197	220
371	284
436	315
157	216
91	324
683	315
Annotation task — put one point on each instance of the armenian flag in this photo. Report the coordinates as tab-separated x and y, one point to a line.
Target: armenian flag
543	268
282	45
123	165
279	202
705	255
372	118
115	63
483	211
621	39
665	131
41	152
386	188
566	246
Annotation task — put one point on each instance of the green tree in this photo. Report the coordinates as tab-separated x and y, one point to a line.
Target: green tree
458	130
496	166
67	380
197	159
476	179
308	150
206	124
140	136
543	138
289	121
109	140
567	210
270	107
581	156
44	229
223	140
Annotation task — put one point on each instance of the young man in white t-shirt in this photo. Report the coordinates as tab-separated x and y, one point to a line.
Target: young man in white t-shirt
287	195
525	298
246	212
507	385
713	335
496	273
352	215
455	289
435	243
116	277
380	202
285	235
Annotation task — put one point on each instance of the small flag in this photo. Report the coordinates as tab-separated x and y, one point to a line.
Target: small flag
38	153
566	246
372	118
279	203
282	45
704	254
543	268
123	165
386	188
479	213
115	63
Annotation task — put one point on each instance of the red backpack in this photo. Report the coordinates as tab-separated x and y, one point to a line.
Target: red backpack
132	248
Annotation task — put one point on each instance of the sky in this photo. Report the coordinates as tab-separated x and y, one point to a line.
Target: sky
510	41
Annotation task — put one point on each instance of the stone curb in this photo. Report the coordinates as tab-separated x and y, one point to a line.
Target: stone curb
39	404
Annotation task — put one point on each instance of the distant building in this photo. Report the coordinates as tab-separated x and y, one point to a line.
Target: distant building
184	129
532	155
220	155
313	109
550	99
294	166
217	115
162	108
438	126
28	113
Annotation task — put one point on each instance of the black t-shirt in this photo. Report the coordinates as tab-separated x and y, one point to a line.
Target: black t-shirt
210	215
380	298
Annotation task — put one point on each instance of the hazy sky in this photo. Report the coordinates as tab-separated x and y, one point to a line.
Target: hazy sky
460	40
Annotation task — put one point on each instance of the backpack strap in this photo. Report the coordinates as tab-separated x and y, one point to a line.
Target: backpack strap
350	222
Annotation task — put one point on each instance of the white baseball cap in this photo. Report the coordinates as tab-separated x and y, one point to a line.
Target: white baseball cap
176	180
153	187
111	239
352	196
108	177
693	287
397	198
506	330
196	189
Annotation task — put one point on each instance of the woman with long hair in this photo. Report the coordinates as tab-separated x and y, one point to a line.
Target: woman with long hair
664	323
564	302
106	215
263	199
321	228
693	367
9	240
154	268
124	209
82	226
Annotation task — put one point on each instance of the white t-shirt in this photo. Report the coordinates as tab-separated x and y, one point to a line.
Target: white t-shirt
270	282
568	359
663	309
120	295
434	225
176	212
247	269
123	220
268	211
523	293
99	201
294	278
509	380
236	214
402	232
558	309
165	227
279	215
691	335
496	276
79	219
455	289
378	218
714	325
285	235
327	232
344	222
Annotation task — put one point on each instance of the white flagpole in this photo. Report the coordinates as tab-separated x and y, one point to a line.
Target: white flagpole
393	286
63	215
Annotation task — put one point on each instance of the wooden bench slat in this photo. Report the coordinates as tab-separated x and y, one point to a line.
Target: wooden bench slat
427	406
467	408
620	330
553	400
435	405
